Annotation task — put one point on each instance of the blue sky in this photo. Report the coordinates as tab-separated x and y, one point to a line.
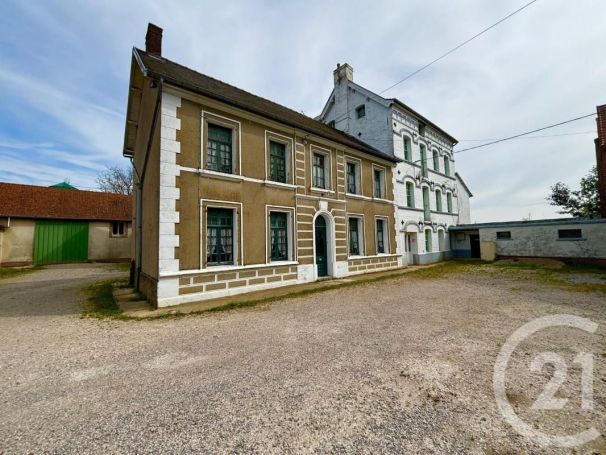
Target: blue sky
65	68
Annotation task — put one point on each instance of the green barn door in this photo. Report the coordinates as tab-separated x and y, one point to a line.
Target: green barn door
60	241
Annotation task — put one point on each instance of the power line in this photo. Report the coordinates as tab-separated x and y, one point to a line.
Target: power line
534	137
389	140
442	56
524	134
459	46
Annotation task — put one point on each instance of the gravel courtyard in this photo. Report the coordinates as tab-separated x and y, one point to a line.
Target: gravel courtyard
403	365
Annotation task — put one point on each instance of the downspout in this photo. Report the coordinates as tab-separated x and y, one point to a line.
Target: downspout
141	179
139	224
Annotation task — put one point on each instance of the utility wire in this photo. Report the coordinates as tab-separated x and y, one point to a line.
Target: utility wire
375	139
458	47
533	137
524	134
443	55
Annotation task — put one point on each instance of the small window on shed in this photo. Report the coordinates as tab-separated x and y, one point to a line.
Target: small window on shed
504	235
570	233
118	228
361	111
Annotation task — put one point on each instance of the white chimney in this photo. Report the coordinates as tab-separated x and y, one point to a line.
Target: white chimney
343	72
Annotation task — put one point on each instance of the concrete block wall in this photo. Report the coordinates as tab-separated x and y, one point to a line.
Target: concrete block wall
543	241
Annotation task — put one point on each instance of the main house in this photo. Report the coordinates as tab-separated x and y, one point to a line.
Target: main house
236	193
430	196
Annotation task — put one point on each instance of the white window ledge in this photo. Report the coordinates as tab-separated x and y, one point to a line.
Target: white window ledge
280	184
357	196
321	190
373	256
221	175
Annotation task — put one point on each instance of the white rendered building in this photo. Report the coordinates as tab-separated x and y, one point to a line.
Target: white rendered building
430	196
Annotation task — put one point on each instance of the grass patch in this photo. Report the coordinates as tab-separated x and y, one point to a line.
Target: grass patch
560	277
100	298
122	266
100	302
10	272
444	269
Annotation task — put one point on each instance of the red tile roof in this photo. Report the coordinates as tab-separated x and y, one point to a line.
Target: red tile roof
29	201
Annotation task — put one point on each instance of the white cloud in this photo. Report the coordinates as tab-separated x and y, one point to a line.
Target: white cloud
542	66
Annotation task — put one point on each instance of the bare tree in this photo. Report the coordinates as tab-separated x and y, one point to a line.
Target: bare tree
115	179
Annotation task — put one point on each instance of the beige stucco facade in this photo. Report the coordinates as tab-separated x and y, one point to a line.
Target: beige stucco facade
17	243
103	246
178	189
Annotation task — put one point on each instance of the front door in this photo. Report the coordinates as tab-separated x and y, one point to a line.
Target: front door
321	249
411	246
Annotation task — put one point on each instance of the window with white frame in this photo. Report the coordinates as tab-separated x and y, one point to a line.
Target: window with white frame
410	194
381	236
407	148
220	236
118	229
279	236
436	161
449	202
356	236
379	182
438	200
423	153
426	206
320	170
278	162
428	242
446	165
441	240
219	152
353	176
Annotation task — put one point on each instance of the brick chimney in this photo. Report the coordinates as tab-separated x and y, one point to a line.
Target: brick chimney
343	72
600	152
153	40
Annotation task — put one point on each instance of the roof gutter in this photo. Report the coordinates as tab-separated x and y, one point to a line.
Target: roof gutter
424	120
375	152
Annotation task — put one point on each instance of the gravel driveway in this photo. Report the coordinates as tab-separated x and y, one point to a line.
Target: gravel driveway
399	366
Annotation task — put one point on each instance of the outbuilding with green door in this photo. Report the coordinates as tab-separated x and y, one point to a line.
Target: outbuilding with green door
51	225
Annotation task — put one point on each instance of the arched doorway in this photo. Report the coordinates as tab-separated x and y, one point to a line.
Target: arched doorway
411	246
321	246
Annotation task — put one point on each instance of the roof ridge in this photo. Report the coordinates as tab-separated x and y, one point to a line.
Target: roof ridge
320	124
50	188
226	83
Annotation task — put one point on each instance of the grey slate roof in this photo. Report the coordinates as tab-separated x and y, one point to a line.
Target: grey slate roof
181	76
422	118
